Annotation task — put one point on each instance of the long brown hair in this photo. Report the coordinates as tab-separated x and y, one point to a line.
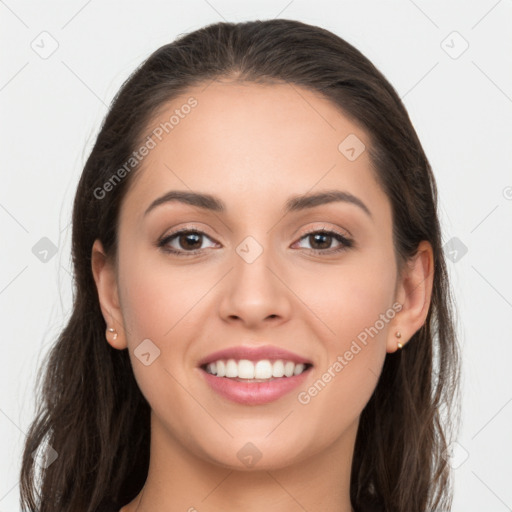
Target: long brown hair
91	411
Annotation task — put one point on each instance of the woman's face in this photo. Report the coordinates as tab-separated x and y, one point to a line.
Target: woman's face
252	276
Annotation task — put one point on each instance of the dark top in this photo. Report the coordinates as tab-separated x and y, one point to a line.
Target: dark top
109	507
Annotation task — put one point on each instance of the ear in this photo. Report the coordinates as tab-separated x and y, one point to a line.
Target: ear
104	273
413	292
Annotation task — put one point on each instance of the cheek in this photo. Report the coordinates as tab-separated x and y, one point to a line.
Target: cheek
156	298
355	306
350	298
347	376
158	304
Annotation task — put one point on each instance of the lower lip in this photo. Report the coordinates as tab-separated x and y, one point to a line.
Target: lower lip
254	393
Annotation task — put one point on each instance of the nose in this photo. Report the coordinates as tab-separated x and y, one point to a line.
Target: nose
255	295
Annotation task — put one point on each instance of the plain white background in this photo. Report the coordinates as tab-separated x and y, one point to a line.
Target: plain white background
449	61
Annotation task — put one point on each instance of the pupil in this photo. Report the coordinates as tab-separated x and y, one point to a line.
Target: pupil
318	238
195	237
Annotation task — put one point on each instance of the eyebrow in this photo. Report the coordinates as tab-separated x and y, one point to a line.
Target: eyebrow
293	204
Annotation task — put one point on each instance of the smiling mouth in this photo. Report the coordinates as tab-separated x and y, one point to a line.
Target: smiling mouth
264	370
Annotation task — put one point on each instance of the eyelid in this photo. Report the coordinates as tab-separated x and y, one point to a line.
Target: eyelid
322	226
186	228
345	233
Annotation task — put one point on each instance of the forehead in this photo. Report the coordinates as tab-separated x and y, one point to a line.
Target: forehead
253	144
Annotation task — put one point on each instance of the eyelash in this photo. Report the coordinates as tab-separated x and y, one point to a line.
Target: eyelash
346	243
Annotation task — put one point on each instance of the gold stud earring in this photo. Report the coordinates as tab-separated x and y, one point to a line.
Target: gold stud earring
111	329
398	334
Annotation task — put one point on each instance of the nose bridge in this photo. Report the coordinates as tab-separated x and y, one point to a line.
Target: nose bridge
253	292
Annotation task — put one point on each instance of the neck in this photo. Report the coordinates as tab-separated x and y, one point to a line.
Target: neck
179	480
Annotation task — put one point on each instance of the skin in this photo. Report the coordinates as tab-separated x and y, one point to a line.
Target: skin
254	146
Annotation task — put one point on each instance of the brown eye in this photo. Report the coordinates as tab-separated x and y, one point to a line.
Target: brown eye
321	241
190	241
185	242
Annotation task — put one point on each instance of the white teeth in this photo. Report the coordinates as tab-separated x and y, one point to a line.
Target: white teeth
278	369
221	369
288	368
245	369
299	368
262	370
231	368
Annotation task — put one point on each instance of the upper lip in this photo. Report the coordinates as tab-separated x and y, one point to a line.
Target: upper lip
269	352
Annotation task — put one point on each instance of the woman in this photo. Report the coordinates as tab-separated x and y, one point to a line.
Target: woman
262	315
